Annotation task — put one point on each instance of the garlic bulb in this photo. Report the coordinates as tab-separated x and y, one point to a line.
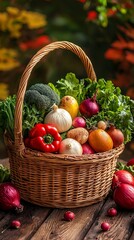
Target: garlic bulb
70	146
60	118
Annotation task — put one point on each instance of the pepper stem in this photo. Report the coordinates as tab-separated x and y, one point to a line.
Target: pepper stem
48	138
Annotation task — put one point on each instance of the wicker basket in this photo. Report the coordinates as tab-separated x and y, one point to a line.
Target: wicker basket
56	180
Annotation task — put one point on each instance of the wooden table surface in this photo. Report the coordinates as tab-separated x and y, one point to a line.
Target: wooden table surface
39	223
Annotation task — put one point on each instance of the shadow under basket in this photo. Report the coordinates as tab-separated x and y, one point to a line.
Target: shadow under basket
58	180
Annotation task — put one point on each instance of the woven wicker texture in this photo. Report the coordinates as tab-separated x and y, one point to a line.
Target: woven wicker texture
58	180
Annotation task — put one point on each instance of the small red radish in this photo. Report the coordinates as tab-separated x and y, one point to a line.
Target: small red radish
79	122
112	212
15	224
69	216
105	226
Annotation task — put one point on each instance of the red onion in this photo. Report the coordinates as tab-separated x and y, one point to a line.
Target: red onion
130	162
79	122
15	224
105	226
89	107
87	149
124	196
122	176
69	216
112	212
10	197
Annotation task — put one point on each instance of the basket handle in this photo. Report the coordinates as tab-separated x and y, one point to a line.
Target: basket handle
27	72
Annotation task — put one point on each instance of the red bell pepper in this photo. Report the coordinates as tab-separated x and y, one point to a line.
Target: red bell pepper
44	137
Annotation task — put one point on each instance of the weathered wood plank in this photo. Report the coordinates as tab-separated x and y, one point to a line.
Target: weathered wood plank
31	218
121	225
56	228
132	236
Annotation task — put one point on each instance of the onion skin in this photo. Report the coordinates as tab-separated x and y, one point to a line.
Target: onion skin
70	146
124	196
116	135
70	104
60	118
89	107
122	176
10	197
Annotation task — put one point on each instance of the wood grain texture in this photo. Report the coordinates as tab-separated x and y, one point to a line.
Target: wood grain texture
31	219
132	236
39	223
55	227
121	225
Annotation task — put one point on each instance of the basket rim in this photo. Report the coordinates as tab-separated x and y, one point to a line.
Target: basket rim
33	155
84	158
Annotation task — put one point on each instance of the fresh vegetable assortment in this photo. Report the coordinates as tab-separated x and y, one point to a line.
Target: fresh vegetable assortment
94	113
115	108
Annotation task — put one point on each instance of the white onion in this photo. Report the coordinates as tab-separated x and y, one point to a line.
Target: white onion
60	118
70	146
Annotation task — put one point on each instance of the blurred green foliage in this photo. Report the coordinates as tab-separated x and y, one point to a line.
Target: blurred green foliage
93	25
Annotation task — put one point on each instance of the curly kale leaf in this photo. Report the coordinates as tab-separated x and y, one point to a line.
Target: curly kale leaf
31	116
116	108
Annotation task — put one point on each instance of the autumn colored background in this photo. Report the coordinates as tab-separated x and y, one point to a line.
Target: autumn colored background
104	29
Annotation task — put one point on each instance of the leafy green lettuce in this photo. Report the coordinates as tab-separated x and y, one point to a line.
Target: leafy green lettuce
71	86
115	108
